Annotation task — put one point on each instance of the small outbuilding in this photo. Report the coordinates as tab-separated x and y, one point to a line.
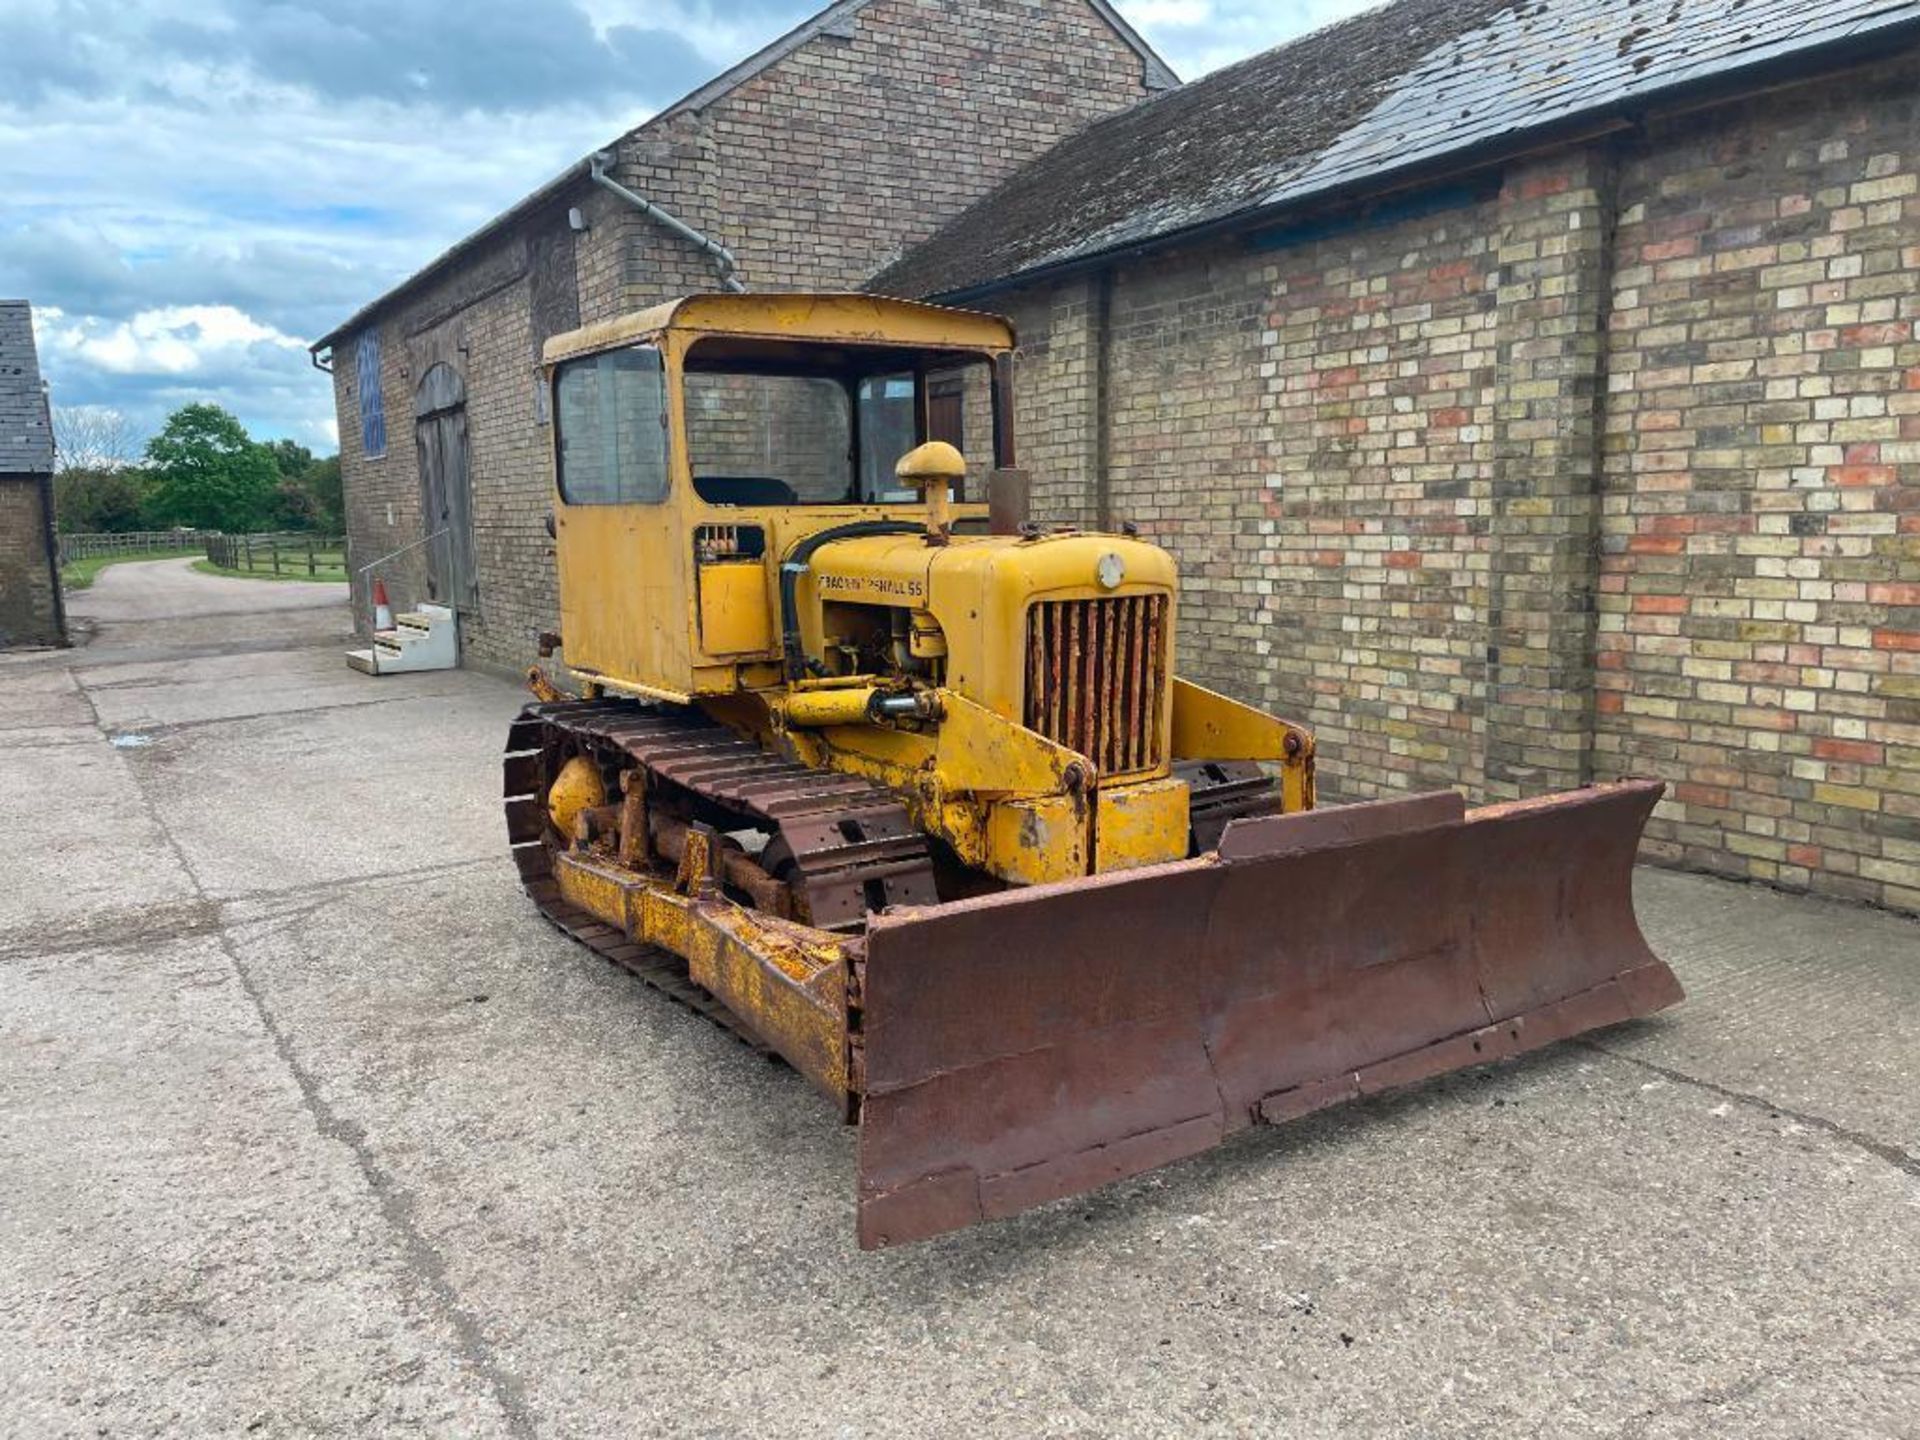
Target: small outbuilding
31	610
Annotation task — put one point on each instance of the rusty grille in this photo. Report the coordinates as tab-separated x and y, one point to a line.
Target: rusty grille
1096	678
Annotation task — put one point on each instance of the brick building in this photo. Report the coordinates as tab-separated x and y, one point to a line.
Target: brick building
1530	393
808	166
31	610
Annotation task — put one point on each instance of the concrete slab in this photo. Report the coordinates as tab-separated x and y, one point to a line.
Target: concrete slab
154	695
1570	1244
81	839
189	1251
1814	1004
285	801
317	1127
42	698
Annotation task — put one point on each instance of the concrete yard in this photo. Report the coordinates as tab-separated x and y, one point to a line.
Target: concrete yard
308	1125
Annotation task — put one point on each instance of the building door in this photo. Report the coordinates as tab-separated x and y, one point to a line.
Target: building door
446	494
946	411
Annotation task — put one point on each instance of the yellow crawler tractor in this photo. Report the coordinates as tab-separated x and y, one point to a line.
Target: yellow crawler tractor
870	769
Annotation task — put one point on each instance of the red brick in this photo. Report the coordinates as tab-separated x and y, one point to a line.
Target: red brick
1660	604
1670	250
1657	544
1887	332
1711	797
1861	476
1857	752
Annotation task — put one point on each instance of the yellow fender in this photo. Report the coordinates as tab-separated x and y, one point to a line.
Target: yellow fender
1209	726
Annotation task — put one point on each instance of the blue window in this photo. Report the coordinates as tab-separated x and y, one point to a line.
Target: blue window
373	414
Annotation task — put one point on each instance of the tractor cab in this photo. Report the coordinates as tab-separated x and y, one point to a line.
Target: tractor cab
694	442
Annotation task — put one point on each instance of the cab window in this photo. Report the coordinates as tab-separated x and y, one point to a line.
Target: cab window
769	439
775	422
610	412
888	430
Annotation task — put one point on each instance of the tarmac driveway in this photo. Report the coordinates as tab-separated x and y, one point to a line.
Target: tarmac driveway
308	1125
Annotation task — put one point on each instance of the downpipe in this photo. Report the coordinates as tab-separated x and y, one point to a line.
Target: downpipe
722	258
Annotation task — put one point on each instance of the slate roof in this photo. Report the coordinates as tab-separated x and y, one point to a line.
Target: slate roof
26	432
835	19
1417	85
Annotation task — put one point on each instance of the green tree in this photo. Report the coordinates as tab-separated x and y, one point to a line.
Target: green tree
94	501
292	459
322	482
308	495
208	473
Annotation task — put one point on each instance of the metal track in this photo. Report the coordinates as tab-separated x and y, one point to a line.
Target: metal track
844	844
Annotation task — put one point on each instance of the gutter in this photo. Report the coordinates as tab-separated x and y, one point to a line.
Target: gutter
545	195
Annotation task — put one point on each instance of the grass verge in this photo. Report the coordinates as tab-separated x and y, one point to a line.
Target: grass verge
330	570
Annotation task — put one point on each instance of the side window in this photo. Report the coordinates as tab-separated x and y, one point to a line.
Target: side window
373	412
611	410
887	432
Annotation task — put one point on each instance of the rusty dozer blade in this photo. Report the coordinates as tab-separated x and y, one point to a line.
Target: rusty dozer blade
1030	1045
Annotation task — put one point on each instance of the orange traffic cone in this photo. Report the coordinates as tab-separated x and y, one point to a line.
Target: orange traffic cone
382	611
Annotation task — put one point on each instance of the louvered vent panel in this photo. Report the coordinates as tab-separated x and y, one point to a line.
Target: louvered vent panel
1096	678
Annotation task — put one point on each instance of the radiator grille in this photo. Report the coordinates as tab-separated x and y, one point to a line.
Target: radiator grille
1096	678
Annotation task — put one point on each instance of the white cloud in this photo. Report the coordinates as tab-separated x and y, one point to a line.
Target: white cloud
195	188
173	340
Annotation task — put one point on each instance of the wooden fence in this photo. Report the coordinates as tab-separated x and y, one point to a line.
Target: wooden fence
132	542
288	553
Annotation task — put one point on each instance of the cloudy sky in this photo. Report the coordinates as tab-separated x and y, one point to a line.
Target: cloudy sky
191	190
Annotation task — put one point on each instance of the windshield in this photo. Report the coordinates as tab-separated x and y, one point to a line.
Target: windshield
773	435
771	439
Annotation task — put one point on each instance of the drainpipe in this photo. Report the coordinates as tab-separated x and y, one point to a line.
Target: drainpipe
1103	401
722	257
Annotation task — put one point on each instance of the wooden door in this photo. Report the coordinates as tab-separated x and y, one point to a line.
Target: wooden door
946	412
446	491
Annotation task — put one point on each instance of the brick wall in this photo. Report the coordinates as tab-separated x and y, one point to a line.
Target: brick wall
29	608
1604	464
815	172
1759	627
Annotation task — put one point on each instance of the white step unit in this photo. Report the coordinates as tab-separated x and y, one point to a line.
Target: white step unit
423	639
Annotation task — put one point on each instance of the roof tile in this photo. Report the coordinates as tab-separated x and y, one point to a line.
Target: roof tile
26	432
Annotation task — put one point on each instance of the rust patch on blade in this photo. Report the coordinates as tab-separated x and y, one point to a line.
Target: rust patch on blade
1034	1044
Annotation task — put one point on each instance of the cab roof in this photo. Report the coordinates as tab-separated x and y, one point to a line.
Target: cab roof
830	318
